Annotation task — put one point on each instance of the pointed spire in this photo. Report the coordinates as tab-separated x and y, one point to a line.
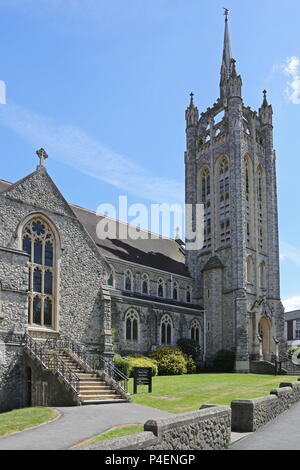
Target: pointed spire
191	113
265	101
227	56
192	99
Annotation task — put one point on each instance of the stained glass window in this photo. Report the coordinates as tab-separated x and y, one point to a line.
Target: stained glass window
39	242
131	321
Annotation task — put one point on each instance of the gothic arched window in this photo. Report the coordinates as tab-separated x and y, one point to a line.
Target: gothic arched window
205	200
111	277
132	322
160	288
248	199
145	284
188	294
175	290
195	330
260	206
128	280
166	328
224	201
262	275
249	269
38	241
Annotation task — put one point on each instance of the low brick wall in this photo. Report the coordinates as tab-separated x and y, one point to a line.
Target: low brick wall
206	429
250	415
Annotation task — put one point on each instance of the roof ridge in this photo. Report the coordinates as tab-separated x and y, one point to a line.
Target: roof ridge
163	237
125	223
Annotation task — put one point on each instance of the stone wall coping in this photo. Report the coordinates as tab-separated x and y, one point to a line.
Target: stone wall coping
253	401
159	426
281	391
131	442
290	384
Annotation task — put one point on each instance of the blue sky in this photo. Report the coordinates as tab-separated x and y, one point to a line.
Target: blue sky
103	86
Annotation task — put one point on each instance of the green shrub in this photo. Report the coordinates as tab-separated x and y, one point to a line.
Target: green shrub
292	350
223	361
137	360
172	364
123	365
190	365
170	360
164	351
190	347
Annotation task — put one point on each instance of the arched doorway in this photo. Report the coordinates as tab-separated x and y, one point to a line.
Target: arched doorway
264	333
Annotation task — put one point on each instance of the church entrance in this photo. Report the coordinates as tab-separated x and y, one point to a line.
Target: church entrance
264	333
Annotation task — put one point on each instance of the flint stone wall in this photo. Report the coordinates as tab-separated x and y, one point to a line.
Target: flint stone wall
206	429
250	415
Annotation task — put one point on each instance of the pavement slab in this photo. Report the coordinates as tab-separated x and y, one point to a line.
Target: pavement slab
79	423
283	433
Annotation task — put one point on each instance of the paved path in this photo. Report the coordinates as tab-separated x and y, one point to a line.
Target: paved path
283	433
79	423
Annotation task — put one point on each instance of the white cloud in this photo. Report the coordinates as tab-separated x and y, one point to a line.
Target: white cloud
293	86
290	252
292	303
77	149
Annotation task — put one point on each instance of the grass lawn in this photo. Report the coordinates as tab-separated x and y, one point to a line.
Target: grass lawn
24	418
183	393
119	431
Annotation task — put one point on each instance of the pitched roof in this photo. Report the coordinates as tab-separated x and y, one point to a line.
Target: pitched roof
293	315
159	252
151	250
212	263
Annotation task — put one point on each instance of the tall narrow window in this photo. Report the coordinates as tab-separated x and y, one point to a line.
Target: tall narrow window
249	269
205	199
111	277
262	275
131	322
260	207
166	327
39	242
175	290
224	201
145	284
195	330
160	288
248	200
188	294
128	280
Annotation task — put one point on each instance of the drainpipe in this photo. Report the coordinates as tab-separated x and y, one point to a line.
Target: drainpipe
204	336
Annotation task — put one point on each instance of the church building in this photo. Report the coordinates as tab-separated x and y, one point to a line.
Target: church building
70	300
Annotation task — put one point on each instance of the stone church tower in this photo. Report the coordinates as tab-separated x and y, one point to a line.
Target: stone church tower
230	169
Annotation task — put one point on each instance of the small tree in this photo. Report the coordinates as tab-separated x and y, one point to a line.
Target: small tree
223	361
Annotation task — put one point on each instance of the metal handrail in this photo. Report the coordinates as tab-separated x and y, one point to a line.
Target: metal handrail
91	361
285	363
53	362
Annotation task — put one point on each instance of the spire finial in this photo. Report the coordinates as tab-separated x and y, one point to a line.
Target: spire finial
227	56
42	156
265	101
226	13
192	98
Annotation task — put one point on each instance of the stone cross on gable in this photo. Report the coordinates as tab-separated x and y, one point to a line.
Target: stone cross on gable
42	156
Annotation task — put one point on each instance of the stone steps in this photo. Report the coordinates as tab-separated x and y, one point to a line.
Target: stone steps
93	389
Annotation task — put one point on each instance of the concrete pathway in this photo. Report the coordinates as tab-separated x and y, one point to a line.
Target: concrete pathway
283	433
79	423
